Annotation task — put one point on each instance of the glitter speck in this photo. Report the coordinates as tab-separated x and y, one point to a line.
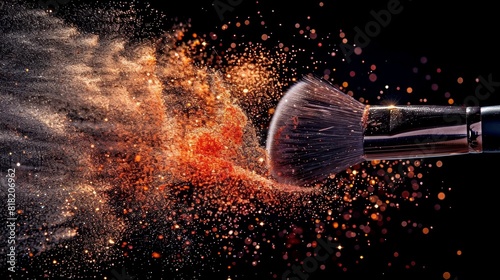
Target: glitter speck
161	159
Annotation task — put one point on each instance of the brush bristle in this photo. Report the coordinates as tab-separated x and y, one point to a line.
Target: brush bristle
317	130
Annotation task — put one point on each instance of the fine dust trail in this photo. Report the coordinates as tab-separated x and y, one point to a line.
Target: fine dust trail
97	128
137	151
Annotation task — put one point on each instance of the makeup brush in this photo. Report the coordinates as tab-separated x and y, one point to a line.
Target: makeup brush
317	130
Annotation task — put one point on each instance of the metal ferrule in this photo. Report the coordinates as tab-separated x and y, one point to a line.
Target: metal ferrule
415	131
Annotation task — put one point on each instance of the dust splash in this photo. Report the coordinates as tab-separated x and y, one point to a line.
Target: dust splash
150	152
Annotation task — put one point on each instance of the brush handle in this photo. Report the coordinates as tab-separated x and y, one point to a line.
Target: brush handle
490	120
417	131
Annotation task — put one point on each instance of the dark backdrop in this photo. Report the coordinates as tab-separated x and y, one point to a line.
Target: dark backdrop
459	39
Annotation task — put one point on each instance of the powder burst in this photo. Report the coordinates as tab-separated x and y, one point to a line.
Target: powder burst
150	152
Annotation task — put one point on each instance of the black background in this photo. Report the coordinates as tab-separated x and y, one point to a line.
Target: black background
459	38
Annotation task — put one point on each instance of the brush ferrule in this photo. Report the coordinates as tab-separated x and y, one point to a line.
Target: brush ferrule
413	131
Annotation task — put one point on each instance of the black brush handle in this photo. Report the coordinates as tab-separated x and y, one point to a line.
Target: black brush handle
490	123
419	131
